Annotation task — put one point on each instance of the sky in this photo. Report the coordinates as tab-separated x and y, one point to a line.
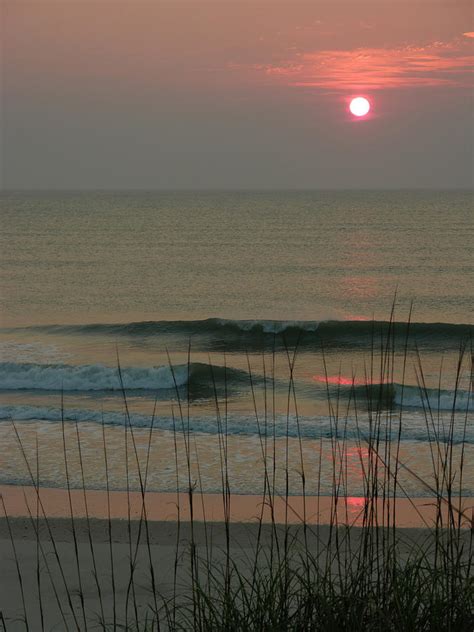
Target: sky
103	94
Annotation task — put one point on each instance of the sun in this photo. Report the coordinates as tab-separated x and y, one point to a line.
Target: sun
359	106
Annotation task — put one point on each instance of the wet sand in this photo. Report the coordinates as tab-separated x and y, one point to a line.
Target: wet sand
163	507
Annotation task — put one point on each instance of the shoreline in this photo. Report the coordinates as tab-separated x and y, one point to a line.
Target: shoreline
170	507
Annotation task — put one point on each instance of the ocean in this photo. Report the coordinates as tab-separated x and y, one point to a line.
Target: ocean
274	320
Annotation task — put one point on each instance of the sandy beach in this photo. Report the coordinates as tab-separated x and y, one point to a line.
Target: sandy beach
169	543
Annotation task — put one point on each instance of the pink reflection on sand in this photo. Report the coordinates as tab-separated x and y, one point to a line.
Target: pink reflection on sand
355	503
163	506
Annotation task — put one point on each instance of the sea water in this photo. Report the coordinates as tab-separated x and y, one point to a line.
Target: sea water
274	319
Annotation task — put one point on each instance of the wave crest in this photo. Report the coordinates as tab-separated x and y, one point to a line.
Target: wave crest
350	332
97	377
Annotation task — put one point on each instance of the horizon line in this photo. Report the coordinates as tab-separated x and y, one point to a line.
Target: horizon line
226	189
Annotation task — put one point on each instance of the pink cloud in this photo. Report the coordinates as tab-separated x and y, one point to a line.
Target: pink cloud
435	64
469	34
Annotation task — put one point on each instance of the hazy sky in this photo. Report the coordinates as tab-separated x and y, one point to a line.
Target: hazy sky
236	94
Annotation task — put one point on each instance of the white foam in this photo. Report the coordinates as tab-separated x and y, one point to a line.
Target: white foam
270	326
413	397
92	377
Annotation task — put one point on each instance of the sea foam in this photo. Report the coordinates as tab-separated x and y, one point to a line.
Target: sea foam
97	377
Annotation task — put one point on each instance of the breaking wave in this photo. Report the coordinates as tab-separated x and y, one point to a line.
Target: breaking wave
414	397
97	377
351	332
390	394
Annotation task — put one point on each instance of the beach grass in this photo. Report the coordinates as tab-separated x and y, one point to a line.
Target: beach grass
365	574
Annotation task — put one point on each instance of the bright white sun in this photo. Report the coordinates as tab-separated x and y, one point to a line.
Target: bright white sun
359	106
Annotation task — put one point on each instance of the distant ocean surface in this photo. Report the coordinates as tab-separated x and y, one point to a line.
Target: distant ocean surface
208	294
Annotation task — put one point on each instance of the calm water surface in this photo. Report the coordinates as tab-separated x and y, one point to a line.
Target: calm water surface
302	256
